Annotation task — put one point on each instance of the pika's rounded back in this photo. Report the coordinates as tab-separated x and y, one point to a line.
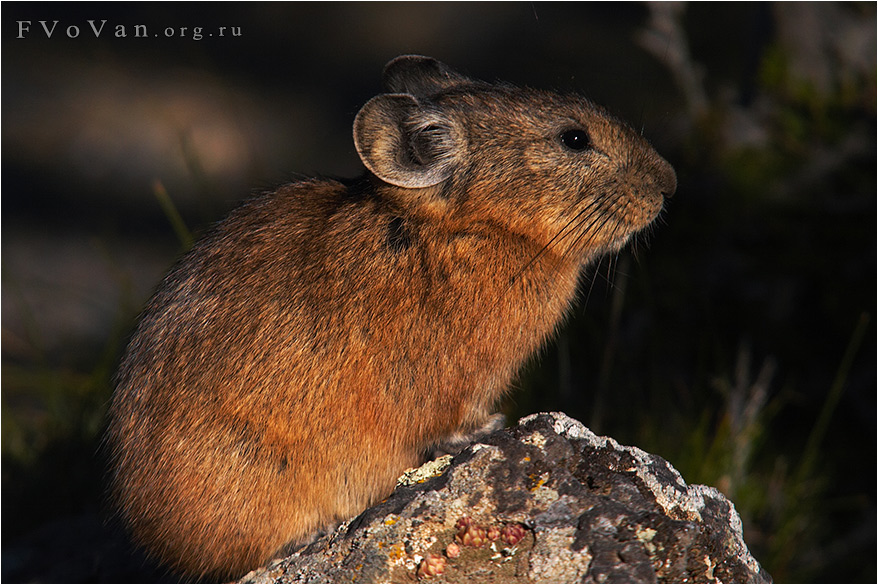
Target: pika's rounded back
323	337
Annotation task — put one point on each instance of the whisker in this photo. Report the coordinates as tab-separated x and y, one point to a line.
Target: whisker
591	207
612	266
591	283
580	232
593	231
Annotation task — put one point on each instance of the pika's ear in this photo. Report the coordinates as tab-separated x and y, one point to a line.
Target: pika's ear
404	143
420	76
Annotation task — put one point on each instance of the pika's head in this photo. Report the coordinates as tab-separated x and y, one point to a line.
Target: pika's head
551	167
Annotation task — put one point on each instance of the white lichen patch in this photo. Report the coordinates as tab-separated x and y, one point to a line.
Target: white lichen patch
536	439
543	496
710	567
645	535
553	555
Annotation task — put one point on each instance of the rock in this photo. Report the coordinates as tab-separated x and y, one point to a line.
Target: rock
544	501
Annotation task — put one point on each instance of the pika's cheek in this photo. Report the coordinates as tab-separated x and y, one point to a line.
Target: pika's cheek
560	177
540	161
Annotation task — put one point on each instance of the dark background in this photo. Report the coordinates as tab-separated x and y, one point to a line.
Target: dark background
737	340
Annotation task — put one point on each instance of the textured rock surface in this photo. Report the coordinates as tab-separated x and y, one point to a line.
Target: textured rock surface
547	501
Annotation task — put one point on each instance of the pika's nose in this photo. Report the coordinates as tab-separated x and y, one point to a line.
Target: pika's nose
666	178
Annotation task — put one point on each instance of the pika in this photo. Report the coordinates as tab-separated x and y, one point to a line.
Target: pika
323	337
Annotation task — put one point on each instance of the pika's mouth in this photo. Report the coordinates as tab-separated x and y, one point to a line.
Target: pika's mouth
620	216
641	197
639	209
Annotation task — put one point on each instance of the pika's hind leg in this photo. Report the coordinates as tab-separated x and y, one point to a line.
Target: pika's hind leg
300	543
455	443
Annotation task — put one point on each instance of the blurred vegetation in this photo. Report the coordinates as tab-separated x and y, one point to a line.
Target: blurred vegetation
736	339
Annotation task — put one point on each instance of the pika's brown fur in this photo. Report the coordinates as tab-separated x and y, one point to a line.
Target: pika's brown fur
323	337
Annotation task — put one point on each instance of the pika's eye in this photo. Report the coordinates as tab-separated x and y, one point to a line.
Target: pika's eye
575	139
